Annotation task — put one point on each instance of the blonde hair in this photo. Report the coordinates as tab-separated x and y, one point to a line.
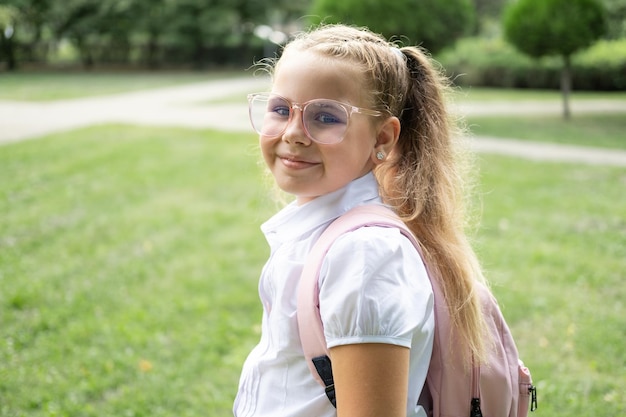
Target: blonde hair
423	177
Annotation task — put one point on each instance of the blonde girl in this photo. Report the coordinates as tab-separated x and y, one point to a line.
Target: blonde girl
351	119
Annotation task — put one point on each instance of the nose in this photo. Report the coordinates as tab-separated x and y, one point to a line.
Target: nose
295	132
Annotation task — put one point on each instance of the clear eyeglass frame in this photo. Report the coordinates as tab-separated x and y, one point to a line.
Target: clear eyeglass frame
331	135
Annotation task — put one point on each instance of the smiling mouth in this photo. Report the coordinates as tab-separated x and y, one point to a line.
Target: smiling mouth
295	163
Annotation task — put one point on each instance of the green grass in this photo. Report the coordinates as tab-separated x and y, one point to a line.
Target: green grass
129	260
553	245
600	130
47	86
499	94
128	268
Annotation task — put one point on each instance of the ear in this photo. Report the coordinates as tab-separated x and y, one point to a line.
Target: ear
386	138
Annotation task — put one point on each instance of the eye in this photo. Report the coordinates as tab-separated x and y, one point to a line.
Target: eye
327	113
281	110
279	107
327	118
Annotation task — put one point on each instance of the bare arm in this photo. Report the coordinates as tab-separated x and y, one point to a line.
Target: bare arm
371	380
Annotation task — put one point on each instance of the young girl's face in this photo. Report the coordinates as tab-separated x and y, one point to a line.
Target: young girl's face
305	168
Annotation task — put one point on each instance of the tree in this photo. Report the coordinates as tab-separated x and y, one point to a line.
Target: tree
616	18
22	27
555	27
95	28
151	32
8	19
489	7
434	24
488	14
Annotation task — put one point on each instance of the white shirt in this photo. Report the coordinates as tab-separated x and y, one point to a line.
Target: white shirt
373	289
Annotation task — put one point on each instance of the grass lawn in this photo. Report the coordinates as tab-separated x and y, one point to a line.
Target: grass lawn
128	267
129	260
600	130
553	244
46	86
499	94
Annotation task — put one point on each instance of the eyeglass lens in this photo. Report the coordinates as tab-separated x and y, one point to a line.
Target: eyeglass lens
325	121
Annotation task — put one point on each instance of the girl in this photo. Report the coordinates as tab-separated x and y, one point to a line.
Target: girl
350	120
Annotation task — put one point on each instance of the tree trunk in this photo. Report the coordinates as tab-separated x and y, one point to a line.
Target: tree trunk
566	85
152	50
8	50
86	58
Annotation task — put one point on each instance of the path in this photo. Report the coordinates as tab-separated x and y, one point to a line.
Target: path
185	106
191	106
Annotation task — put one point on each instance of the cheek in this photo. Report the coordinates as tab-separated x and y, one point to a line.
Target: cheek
351	160
267	147
357	149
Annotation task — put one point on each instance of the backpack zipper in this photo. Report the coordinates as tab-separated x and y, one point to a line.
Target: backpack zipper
475	410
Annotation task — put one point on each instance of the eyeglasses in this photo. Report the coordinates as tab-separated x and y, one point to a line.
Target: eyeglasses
325	121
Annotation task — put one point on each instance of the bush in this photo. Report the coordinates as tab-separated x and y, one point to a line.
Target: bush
495	63
434	24
601	67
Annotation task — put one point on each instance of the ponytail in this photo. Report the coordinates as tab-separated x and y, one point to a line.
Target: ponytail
424	182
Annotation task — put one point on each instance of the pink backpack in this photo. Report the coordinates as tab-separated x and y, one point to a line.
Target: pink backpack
503	387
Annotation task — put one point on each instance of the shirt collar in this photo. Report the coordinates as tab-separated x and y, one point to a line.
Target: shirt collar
310	216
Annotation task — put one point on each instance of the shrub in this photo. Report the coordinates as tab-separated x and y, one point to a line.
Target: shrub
602	67
495	63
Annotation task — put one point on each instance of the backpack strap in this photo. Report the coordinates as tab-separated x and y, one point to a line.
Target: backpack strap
308	310
446	377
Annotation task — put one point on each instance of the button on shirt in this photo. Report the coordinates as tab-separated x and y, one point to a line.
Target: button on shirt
373	289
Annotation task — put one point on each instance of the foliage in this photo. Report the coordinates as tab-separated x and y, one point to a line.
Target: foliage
9	16
495	63
554	27
601	67
205	33
149	32
488	16
616	18
432	23
489	8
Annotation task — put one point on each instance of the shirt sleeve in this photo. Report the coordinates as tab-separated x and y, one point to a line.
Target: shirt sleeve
374	288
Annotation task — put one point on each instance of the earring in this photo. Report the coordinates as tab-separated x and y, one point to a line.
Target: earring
380	156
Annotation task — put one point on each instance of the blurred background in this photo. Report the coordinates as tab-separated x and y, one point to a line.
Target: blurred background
131	191
472	38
